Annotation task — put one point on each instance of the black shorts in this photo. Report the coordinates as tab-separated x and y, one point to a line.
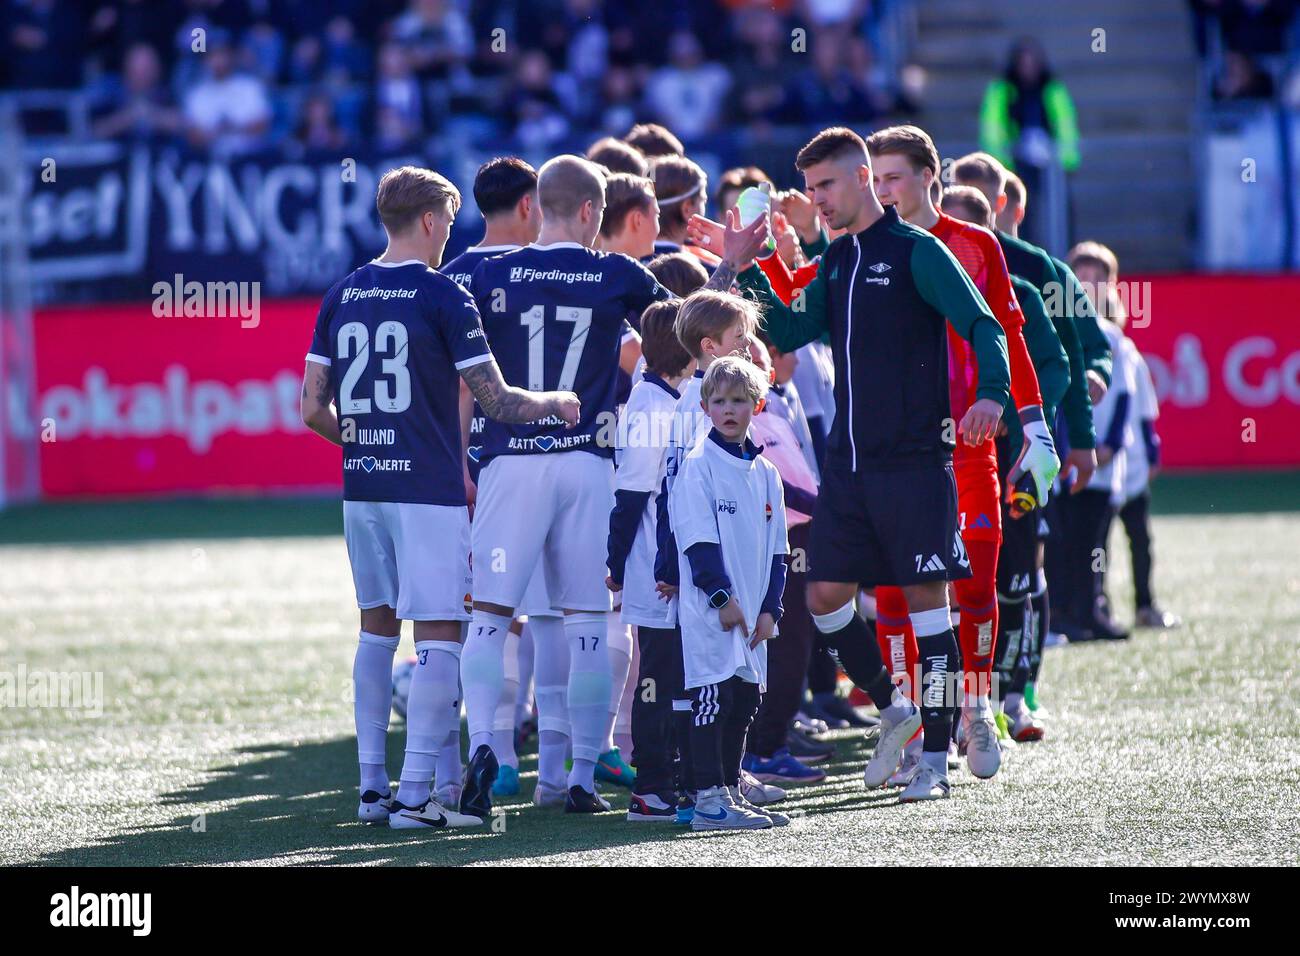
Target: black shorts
887	527
1018	556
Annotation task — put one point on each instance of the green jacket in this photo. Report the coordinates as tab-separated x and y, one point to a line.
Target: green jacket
999	132
1048	355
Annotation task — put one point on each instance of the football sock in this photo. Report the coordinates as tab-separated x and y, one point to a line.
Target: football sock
433	705
851	643
503	725
589	692
937	645
482	671
450	770
623	720
551	656
1042	614
977	600
895	638
524	699
372	684
618	639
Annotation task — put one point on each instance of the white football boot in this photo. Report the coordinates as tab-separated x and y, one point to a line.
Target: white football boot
431	816
544	796
978	735
907	769
716	810
926	785
889	748
375	806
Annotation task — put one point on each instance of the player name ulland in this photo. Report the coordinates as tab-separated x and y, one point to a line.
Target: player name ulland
376	436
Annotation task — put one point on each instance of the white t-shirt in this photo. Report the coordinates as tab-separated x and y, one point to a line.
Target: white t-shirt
689	426
1143	407
641	453
736	504
235	101
814	377
1110	477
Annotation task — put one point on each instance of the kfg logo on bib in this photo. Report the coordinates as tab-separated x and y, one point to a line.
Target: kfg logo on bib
728	506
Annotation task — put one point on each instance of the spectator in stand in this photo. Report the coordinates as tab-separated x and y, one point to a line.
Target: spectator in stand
319	131
227	113
689	93
345	58
533	106
398	106
762	69
437	39
1242	79
43	45
1257	27
621	99
827	92
142	107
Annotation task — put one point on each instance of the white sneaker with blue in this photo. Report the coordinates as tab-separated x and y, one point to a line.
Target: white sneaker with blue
716	810
778	818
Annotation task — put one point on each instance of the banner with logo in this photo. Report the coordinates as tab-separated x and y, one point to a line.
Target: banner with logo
1224	353
130	403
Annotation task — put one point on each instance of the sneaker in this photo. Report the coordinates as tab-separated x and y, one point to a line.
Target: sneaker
926	785
889	748
716	810
781	767
507	782
759	792
806	750
911	761
686	807
476	798
612	768
431	816
448	796
1105	629
584	801
1025	727
809	725
1031	695
1157	617
375	806
816	711
837	706
979	736
1003	723
548	796
778	818
651	808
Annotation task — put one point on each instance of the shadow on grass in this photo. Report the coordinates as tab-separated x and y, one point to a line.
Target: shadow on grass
296	802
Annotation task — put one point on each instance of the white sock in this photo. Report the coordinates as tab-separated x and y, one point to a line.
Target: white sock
449	771
431	710
589	692
503	724
623	722
551	674
372	687
618	639
524	700
482	670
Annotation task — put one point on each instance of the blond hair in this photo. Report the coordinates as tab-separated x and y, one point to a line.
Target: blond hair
731	372
408	192
708	313
981	169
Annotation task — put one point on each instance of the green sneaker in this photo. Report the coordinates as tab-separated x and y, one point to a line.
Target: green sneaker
612	768
1031	695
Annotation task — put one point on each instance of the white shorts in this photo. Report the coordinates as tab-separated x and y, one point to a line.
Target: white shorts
537	597
550	511
411	557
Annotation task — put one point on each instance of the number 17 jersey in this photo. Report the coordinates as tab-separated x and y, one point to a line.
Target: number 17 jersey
554	315
394	336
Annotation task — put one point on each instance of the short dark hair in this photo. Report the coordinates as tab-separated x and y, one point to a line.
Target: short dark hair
830	143
676	179
618	157
654	140
663	351
623	193
500	183
911	142
679	272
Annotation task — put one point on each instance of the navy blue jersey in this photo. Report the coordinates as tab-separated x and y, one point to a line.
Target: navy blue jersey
461	269
394	337
554	316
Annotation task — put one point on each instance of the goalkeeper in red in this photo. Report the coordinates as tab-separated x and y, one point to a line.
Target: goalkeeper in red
905	165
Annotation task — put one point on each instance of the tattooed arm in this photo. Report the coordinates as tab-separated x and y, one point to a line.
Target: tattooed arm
513	405
317	413
739	247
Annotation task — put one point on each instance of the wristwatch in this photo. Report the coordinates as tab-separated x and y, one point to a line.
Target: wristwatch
719	598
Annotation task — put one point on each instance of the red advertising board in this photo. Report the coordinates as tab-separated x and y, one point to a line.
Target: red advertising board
1224	353
142	405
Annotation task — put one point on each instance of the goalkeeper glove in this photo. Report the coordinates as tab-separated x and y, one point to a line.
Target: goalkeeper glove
1037	455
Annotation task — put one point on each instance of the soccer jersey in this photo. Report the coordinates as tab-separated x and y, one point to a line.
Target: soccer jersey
980	255
395	336
1111	417
555	317
689	426
735	503
643	431
1143	411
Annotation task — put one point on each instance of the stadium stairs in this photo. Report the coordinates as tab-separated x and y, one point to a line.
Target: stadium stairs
1135	188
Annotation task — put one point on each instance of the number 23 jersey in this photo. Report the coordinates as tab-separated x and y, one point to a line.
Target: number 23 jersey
554	318
395	336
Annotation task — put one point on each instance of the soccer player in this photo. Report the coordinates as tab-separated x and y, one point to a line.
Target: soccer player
618	157
1018	557
887	512
729	515
390	339
653	141
682	190
554	312
642	446
905	164
631	221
